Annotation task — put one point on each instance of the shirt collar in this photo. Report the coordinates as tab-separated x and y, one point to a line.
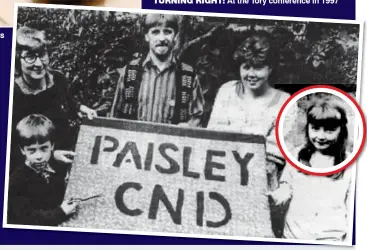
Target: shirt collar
19	80
47	168
148	62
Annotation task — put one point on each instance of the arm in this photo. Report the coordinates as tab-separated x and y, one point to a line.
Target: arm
348	199
273	153
291	121
289	130
74	106
45	217
119	95
59	79
196	107
275	161
284	193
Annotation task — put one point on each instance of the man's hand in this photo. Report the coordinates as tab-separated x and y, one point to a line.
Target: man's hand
64	156
88	112
69	206
282	195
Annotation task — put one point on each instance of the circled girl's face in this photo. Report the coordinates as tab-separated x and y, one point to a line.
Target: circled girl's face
255	77
322	138
34	64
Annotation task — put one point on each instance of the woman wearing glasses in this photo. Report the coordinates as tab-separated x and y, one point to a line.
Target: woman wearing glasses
40	90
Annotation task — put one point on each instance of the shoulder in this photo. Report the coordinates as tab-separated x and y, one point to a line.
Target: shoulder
296	150
131	65
278	100
58	75
17	88
295	153
229	86
348	173
227	89
283	93
19	177
282	96
58	166
58	80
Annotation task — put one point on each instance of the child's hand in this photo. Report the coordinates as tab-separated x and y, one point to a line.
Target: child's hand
69	206
64	156
281	195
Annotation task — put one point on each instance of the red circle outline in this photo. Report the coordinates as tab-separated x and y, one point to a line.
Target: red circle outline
318	87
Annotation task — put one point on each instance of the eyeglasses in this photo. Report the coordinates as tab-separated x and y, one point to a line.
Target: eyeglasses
32	57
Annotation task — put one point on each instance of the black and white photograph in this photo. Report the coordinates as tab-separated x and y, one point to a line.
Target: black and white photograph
163	123
325	126
323	139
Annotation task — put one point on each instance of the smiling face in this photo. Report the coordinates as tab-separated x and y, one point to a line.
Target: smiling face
38	155
255	77
161	41
323	137
33	64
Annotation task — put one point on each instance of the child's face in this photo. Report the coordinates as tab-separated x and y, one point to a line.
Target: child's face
323	137
37	155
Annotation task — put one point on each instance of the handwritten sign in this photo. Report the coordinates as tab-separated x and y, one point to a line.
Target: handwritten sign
162	178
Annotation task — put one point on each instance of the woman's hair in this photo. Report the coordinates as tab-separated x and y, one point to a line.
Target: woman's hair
327	112
33	129
28	39
257	50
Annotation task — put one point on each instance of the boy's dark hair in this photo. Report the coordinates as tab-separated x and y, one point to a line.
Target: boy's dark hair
166	20
326	112
33	129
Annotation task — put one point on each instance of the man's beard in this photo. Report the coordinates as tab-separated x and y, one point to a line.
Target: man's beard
163	57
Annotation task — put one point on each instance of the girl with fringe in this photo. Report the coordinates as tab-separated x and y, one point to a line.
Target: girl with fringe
317	206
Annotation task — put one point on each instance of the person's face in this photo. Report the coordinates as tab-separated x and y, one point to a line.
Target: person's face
38	155
255	77
323	137
34	64
161	40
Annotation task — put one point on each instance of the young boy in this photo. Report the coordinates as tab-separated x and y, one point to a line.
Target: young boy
37	187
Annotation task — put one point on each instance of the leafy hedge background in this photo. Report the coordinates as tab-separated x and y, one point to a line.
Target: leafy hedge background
88	46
